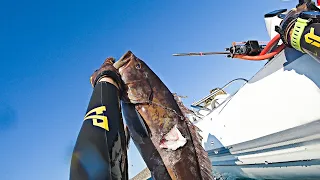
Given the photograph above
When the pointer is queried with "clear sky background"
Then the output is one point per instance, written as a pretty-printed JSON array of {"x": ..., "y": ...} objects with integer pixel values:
[{"x": 49, "y": 49}]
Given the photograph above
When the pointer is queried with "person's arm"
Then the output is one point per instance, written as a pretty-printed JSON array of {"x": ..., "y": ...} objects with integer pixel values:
[
  {"x": 100, "y": 150},
  {"x": 300, "y": 29}
]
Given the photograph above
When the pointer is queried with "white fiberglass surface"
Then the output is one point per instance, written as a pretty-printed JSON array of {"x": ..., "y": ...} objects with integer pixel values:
[{"x": 283, "y": 94}]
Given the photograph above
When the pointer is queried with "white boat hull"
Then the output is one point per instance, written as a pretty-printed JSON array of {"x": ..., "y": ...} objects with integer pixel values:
[{"x": 270, "y": 129}]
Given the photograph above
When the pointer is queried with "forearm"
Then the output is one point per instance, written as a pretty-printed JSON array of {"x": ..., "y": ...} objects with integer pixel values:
[
  {"x": 100, "y": 137},
  {"x": 310, "y": 40}
]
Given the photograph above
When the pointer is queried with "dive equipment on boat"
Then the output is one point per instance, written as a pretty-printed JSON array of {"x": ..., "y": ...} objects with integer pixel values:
[
  {"x": 264, "y": 55},
  {"x": 250, "y": 50}
]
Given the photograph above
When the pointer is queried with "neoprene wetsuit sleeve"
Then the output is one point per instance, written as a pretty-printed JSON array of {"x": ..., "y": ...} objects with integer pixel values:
[{"x": 100, "y": 150}]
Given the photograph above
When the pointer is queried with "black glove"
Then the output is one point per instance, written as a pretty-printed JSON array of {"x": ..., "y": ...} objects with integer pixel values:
[{"x": 107, "y": 70}]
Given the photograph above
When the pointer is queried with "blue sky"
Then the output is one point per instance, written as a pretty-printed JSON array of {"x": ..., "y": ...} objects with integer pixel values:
[{"x": 50, "y": 48}]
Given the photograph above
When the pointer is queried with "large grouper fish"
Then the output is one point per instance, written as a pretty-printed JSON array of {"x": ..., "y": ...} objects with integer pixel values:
[{"x": 166, "y": 139}]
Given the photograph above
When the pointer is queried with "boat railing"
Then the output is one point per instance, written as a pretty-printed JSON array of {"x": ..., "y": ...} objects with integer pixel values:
[{"x": 198, "y": 103}]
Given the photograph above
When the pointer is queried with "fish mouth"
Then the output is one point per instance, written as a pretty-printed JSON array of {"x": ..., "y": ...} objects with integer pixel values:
[{"x": 123, "y": 60}]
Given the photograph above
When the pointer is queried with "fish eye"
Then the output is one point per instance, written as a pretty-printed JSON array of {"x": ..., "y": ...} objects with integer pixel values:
[{"x": 138, "y": 66}]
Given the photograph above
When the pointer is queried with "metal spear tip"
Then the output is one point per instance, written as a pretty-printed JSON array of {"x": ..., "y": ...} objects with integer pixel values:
[{"x": 177, "y": 55}]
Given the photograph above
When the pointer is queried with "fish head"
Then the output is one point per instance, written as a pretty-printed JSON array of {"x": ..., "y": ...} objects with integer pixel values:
[{"x": 133, "y": 71}]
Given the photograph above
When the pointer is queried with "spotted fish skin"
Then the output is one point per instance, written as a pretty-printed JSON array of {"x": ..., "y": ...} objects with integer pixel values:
[{"x": 149, "y": 103}]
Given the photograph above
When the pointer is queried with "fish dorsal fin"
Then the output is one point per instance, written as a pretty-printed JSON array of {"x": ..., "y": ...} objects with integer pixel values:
[{"x": 202, "y": 155}]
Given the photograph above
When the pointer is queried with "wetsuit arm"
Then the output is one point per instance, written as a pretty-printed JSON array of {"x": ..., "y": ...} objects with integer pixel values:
[
  {"x": 98, "y": 153},
  {"x": 310, "y": 40}
]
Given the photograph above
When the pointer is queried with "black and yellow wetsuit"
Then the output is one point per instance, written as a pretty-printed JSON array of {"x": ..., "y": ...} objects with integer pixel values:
[
  {"x": 300, "y": 29},
  {"x": 100, "y": 150}
]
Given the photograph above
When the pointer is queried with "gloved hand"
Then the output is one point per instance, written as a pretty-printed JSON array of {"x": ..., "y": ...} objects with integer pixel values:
[{"x": 107, "y": 70}]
